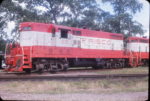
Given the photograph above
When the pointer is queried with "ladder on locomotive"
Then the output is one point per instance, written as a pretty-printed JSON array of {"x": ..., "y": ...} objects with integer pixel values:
[{"x": 27, "y": 56}]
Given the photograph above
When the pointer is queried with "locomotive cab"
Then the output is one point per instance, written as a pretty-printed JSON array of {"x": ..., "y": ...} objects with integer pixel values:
[{"x": 33, "y": 46}]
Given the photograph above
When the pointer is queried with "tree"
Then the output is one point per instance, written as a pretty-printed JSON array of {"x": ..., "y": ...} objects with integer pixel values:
[
  {"x": 14, "y": 12},
  {"x": 122, "y": 20},
  {"x": 76, "y": 13},
  {"x": 82, "y": 13},
  {"x": 2, "y": 22},
  {"x": 2, "y": 44}
]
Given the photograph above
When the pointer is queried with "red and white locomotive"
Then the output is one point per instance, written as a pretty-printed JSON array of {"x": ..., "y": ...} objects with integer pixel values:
[{"x": 55, "y": 47}]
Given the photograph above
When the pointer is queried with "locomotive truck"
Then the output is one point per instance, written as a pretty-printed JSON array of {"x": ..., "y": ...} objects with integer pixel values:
[{"x": 55, "y": 48}]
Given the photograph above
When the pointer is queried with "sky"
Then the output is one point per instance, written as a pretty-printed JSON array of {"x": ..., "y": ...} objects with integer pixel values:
[
  {"x": 141, "y": 17},
  {"x": 144, "y": 16}
]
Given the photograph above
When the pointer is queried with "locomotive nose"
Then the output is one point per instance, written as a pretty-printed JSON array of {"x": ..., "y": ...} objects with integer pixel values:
[{"x": 13, "y": 56}]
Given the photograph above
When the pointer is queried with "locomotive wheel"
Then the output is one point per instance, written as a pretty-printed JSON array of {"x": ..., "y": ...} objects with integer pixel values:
[
  {"x": 65, "y": 68},
  {"x": 40, "y": 68},
  {"x": 108, "y": 65},
  {"x": 54, "y": 68}
]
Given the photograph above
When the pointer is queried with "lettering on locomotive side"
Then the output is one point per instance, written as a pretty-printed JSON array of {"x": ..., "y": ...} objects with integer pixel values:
[
  {"x": 96, "y": 41},
  {"x": 108, "y": 42},
  {"x": 101, "y": 43}
]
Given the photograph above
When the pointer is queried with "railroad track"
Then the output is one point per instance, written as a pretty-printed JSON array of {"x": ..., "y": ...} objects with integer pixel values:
[
  {"x": 70, "y": 70},
  {"x": 69, "y": 77}
]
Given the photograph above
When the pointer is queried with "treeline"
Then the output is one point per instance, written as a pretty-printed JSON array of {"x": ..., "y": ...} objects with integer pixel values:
[{"x": 75, "y": 13}]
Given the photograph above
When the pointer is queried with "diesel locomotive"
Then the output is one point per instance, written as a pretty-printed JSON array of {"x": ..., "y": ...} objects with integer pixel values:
[{"x": 55, "y": 48}]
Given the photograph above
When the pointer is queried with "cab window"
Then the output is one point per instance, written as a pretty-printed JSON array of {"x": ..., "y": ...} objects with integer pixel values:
[{"x": 64, "y": 33}]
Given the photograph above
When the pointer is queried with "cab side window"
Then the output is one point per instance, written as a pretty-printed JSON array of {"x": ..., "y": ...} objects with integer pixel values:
[{"x": 64, "y": 33}]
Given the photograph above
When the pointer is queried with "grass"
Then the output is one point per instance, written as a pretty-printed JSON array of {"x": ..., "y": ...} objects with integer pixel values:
[
  {"x": 136, "y": 70},
  {"x": 92, "y": 86}
]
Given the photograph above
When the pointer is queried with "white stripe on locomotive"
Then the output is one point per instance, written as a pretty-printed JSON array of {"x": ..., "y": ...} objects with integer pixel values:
[{"x": 33, "y": 38}]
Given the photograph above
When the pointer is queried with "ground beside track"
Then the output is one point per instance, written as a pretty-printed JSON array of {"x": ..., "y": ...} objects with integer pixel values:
[
  {"x": 79, "y": 90},
  {"x": 122, "y": 96},
  {"x": 106, "y": 89}
]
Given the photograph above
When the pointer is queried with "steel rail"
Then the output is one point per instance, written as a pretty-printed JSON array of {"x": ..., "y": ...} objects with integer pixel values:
[{"x": 70, "y": 77}]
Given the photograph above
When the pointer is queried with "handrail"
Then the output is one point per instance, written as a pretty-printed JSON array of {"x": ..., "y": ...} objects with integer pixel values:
[
  {"x": 23, "y": 54},
  {"x": 30, "y": 53}
]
